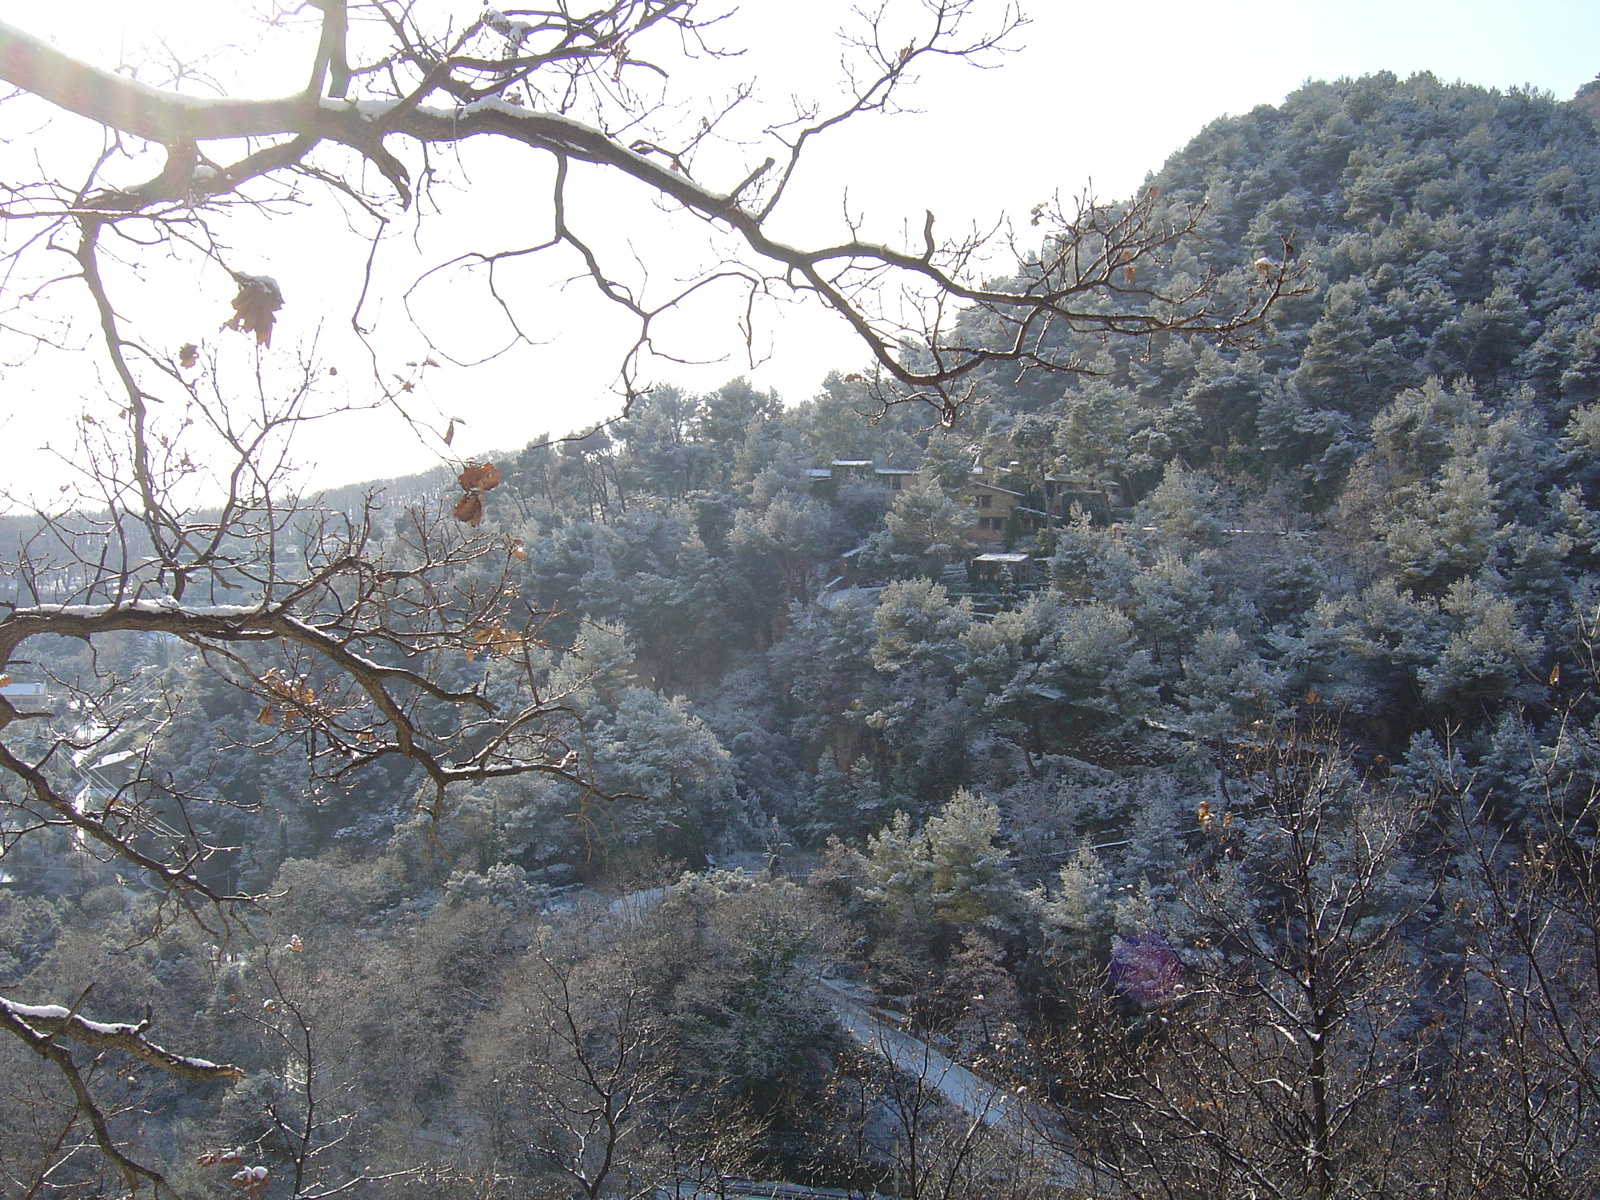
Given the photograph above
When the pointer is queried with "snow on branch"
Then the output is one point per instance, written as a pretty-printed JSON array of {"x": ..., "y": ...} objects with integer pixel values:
[{"x": 52, "y": 1020}]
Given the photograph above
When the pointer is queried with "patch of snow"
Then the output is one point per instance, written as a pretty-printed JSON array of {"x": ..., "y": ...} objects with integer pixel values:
[{"x": 159, "y": 604}]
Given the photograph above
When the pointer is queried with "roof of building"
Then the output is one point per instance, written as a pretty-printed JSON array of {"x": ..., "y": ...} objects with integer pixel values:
[{"x": 993, "y": 487}]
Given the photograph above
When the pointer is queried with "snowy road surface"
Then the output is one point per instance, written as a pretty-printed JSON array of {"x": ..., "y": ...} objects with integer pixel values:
[
  {"x": 966, "y": 1090},
  {"x": 962, "y": 1088}
]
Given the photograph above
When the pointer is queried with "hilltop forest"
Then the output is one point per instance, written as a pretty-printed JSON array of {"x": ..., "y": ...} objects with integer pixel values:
[{"x": 1231, "y": 805}]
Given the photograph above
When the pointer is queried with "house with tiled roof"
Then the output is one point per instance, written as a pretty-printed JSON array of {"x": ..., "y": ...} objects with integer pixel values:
[{"x": 993, "y": 510}]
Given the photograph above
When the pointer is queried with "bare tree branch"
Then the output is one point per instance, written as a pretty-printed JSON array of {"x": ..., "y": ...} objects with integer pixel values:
[{"x": 1100, "y": 272}]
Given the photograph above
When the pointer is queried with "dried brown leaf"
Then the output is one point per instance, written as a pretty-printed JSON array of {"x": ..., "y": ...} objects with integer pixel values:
[
  {"x": 479, "y": 477},
  {"x": 254, "y": 307}
]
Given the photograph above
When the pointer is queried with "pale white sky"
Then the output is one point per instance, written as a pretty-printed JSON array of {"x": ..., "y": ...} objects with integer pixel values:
[{"x": 1092, "y": 92}]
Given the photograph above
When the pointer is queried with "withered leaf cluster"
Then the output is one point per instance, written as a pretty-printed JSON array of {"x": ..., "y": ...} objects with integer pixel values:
[
  {"x": 475, "y": 479},
  {"x": 493, "y": 641},
  {"x": 255, "y": 306}
]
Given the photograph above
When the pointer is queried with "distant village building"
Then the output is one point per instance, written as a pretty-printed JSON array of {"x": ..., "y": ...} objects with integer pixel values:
[
  {"x": 994, "y": 511},
  {"x": 825, "y": 481},
  {"x": 1003, "y": 523},
  {"x": 999, "y": 514},
  {"x": 1095, "y": 497},
  {"x": 1002, "y": 569}
]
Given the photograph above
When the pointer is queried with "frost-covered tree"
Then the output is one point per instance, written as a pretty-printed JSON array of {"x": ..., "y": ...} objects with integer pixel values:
[{"x": 673, "y": 779}]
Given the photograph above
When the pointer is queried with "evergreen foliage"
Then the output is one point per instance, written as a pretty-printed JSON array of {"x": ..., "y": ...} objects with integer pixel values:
[{"x": 1262, "y": 819}]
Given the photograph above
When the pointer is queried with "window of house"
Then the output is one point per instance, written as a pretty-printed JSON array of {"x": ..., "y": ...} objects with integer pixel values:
[{"x": 985, "y": 501}]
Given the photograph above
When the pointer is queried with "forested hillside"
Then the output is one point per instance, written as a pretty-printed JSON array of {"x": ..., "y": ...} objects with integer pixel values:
[{"x": 1204, "y": 741}]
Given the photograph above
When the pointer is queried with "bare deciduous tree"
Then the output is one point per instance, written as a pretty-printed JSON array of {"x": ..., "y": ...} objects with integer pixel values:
[
  {"x": 393, "y": 88},
  {"x": 1275, "y": 1060}
]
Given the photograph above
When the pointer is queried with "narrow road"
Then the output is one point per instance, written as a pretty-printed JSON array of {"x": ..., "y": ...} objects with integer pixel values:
[
  {"x": 964, "y": 1089},
  {"x": 1042, "y": 1131}
]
